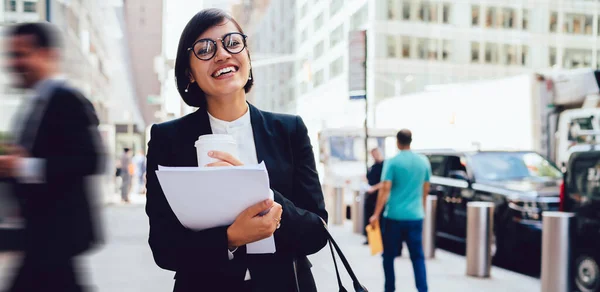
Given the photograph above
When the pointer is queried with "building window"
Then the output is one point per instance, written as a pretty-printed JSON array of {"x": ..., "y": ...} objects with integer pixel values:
[
  {"x": 475, "y": 15},
  {"x": 552, "y": 54},
  {"x": 428, "y": 12},
  {"x": 360, "y": 17},
  {"x": 446, "y": 50},
  {"x": 553, "y": 21},
  {"x": 406, "y": 10},
  {"x": 335, "y": 6},
  {"x": 336, "y": 36},
  {"x": 490, "y": 17},
  {"x": 319, "y": 48},
  {"x": 304, "y": 10},
  {"x": 30, "y": 6},
  {"x": 446, "y": 13},
  {"x": 303, "y": 87},
  {"x": 577, "y": 58},
  {"x": 491, "y": 53},
  {"x": 11, "y": 5},
  {"x": 510, "y": 55},
  {"x": 525, "y": 19},
  {"x": 507, "y": 18},
  {"x": 391, "y": 46},
  {"x": 578, "y": 24},
  {"x": 525, "y": 56},
  {"x": 405, "y": 47},
  {"x": 319, "y": 78},
  {"x": 319, "y": 21},
  {"x": 337, "y": 67},
  {"x": 427, "y": 49},
  {"x": 303, "y": 36},
  {"x": 391, "y": 8},
  {"x": 474, "y": 52}
]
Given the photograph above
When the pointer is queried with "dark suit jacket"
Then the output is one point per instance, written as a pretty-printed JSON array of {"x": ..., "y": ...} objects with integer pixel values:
[
  {"x": 58, "y": 214},
  {"x": 200, "y": 258}
]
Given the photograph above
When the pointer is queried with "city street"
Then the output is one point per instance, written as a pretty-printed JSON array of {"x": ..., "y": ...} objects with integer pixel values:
[{"x": 125, "y": 262}]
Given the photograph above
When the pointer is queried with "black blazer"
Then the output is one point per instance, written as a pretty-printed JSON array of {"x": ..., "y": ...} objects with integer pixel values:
[
  {"x": 200, "y": 258},
  {"x": 58, "y": 213}
]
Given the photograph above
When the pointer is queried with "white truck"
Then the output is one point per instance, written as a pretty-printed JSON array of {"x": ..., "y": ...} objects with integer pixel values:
[{"x": 540, "y": 112}]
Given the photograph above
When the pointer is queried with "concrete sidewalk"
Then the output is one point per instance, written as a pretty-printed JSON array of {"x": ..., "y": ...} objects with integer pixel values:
[
  {"x": 444, "y": 273},
  {"x": 125, "y": 263}
]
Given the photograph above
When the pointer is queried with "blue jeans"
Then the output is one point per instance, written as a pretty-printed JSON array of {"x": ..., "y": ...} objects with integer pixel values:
[{"x": 394, "y": 234}]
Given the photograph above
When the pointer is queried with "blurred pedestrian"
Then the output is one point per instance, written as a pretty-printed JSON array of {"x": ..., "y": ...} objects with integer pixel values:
[
  {"x": 139, "y": 162},
  {"x": 405, "y": 185},
  {"x": 374, "y": 179},
  {"x": 126, "y": 174},
  {"x": 57, "y": 147}
]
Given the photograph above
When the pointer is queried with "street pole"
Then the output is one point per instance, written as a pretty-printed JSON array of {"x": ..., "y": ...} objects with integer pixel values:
[{"x": 366, "y": 108}]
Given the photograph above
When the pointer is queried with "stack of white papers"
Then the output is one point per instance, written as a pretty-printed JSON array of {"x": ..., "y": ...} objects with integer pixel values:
[{"x": 207, "y": 197}]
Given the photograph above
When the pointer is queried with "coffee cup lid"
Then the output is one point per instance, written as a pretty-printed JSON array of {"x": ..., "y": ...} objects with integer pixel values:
[{"x": 215, "y": 138}]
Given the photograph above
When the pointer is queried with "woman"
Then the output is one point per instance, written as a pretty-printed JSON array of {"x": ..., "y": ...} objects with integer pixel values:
[{"x": 213, "y": 72}]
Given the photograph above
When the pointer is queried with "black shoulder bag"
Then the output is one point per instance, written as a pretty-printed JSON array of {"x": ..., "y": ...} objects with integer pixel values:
[{"x": 332, "y": 244}]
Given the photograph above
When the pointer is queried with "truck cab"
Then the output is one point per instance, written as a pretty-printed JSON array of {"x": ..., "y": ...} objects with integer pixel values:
[{"x": 580, "y": 194}]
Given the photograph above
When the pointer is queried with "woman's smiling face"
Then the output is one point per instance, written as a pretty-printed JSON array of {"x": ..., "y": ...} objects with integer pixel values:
[{"x": 225, "y": 73}]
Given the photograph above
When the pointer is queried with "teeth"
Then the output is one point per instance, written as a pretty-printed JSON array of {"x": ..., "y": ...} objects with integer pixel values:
[{"x": 224, "y": 70}]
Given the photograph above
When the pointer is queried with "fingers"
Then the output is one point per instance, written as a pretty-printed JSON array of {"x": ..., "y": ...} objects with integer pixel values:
[
  {"x": 224, "y": 156},
  {"x": 218, "y": 163},
  {"x": 255, "y": 209}
]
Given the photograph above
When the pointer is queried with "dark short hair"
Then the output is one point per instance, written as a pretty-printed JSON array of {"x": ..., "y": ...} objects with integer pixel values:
[
  {"x": 200, "y": 23},
  {"x": 46, "y": 35},
  {"x": 404, "y": 137},
  {"x": 126, "y": 150}
]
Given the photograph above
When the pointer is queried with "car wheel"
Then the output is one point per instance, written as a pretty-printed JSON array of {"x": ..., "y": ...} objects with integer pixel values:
[{"x": 587, "y": 273}]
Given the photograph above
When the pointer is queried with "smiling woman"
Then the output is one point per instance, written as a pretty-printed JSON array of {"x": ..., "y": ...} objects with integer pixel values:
[{"x": 213, "y": 72}]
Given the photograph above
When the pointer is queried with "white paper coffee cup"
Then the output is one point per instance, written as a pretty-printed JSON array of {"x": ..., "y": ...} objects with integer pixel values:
[{"x": 214, "y": 142}]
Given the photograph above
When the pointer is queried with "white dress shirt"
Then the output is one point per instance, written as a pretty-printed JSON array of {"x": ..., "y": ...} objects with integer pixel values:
[{"x": 241, "y": 131}]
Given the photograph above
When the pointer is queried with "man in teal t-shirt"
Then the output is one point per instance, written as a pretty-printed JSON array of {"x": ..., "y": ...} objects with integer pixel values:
[{"x": 405, "y": 181}]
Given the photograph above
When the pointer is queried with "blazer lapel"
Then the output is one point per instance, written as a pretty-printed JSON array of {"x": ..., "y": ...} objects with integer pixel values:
[
  {"x": 197, "y": 125},
  {"x": 264, "y": 150}
]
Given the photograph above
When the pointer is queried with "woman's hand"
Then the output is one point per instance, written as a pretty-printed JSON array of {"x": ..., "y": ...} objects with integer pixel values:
[
  {"x": 249, "y": 226},
  {"x": 225, "y": 159}
]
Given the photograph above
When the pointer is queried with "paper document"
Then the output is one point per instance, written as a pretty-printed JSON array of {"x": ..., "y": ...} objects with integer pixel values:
[{"x": 207, "y": 197}]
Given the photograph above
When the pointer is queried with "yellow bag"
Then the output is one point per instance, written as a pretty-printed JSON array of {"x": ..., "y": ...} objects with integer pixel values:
[{"x": 374, "y": 238}]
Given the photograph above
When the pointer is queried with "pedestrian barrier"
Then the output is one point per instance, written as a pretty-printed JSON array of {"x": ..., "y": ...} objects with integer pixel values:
[
  {"x": 556, "y": 247},
  {"x": 339, "y": 210},
  {"x": 429, "y": 227},
  {"x": 358, "y": 212},
  {"x": 480, "y": 226}
]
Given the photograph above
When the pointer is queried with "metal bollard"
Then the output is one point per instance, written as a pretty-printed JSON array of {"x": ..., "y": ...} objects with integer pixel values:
[
  {"x": 556, "y": 248},
  {"x": 429, "y": 227},
  {"x": 358, "y": 212},
  {"x": 339, "y": 210},
  {"x": 480, "y": 226}
]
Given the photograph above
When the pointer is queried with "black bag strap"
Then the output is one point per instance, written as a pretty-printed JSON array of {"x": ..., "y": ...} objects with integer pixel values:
[
  {"x": 337, "y": 272},
  {"x": 357, "y": 286}
]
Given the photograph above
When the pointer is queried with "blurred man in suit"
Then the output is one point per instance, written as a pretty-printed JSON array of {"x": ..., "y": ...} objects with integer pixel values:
[{"x": 56, "y": 148}]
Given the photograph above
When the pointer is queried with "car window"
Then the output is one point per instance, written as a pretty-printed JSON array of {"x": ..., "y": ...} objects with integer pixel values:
[
  {"x": 499, "y": 166},
  {"x": 583, "y": 180},
  {"x": 437, "y": 164}
]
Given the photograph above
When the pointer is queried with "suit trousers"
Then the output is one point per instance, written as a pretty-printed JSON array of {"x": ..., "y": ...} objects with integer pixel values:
[{"x": 43, "y": 273}]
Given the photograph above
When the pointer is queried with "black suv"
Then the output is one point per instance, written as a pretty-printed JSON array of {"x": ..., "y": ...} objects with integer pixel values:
[
  {"x": 581, "y": 195},
  {"x": 521, "y": 184}
]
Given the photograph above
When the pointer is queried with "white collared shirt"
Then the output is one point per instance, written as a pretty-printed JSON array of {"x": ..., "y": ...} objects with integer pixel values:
[{"x": 241, "y": 131}]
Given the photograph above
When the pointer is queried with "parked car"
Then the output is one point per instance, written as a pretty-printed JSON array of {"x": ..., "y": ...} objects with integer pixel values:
[
  {"x": 521, "y": 184},
  {"x": 580, "y": 194}
]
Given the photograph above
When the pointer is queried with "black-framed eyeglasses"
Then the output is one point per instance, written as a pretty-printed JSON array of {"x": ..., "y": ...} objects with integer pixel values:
[{"x": 206, "y": 49}]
